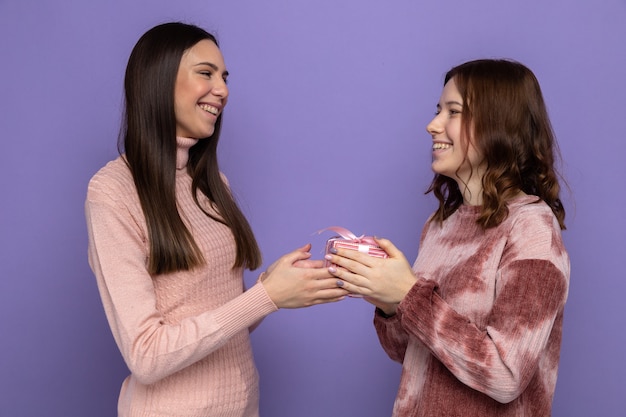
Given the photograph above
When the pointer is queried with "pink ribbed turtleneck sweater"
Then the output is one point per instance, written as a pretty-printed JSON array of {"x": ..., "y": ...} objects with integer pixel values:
[{"x": 184, "y": 335}]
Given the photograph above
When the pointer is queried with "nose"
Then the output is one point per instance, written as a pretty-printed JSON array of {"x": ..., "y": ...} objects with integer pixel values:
[
  {"x": 434, "y": 127},
  {"x": 220, "y": 89}
]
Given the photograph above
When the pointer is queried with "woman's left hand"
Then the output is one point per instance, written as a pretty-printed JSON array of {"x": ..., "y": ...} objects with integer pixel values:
[{"x": 383, "y": 282}]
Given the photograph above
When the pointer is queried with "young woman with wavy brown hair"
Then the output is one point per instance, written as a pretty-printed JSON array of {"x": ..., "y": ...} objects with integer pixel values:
[
  {"x": 477, "y": 321},
  {"x": 168, "y": 243},
  {"x": 516, "y": 143}
]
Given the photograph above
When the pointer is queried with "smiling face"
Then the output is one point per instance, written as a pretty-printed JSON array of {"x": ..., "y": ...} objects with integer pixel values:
[
  {"x": 200, "y": 93},
  {"x": 453, "y": 155}
]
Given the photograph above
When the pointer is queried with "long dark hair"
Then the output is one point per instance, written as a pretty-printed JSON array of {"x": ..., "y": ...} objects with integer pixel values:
[
  {"x": 149, "y": 142},
  {"x": 505, "y": 115}
]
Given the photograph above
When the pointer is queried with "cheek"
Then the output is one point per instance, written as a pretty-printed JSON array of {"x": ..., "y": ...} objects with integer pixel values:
[
  {"x": 179, "y": 109},
  {"x": 453, "y": 131},
  {"x": 474, "y": 155},
  {"x": 185, "y": 92}
]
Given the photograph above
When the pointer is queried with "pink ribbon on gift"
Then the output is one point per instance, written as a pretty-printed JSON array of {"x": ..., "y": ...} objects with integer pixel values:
[{"x": 348, "y": 235}]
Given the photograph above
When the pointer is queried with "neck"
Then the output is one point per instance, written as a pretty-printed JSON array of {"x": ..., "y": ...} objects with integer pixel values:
[
  {"x": 472, "y": 186},
  {"x": 472, "y": 197},
  {"x": 472, "y": 190},
  {"x": 182, "y": 151}
]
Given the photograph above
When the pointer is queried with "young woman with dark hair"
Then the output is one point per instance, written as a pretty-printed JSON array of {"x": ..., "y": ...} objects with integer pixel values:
[
  {"x": 168, "y": 243},
  {"x": 477, "y": 321}
]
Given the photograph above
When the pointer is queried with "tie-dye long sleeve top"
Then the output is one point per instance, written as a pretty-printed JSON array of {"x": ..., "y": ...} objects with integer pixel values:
[{"x": 479, "y": 334}]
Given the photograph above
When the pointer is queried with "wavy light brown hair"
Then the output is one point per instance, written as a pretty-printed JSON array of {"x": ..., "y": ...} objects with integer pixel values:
[
  {"x": 506, "y": 118},
  {"x": 149, "y": 142}
]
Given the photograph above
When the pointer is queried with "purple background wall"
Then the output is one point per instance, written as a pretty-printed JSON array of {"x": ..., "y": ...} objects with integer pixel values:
[{"x": 329, "y": 100}]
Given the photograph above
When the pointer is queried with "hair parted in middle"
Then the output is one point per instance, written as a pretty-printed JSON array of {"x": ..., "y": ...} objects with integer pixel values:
[
  {"x": 505, "y": 117},
  {"x": 149, "y": 142}
]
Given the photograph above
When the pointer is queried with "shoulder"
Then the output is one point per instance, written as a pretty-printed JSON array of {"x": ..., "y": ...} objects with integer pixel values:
[
  {"x": 112, "y": 182},
  {"x": 534, "y": 229},
  {"x": 112, "y": 200},
  {"x": 531, "y": 213}
]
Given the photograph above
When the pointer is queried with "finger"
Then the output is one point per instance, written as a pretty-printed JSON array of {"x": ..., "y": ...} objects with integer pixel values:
[
  {"x": 350, "y": 260},
  {"x": 305, "y": 248},
  {"x": 350, "y": 282},
  {"x": 318, "y": 274},
  {"x": 335, "y": 293},
  {"x": 331, "y": 284},
  {"x": 357, "y": 256},
  {"x": 351, "y": 289},
  {"x": 309, "y": 263},
  {"x": 297, "y": 255},
  {"x": 389, "y": 247},
  {"x": 325, "y": 300}
]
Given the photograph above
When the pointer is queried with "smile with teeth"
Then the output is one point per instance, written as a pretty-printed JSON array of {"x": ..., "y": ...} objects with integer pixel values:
[
  {"x": 210, "y": 109},
  {"x": 438, "y": 146}
]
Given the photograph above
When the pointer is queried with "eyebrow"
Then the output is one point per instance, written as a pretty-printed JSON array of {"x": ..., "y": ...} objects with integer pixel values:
[
  {"x": 449, "y": 103},
  {"x": 212, "y": 65}
]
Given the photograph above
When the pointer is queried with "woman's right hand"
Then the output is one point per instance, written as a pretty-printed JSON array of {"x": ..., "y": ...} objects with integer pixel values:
[
  {"x": 295, "y": 281},
  {"x": 383, "y": 282}
]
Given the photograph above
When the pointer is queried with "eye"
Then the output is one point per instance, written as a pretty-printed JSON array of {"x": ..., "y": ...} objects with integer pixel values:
[{"x": 207, "y": 74}]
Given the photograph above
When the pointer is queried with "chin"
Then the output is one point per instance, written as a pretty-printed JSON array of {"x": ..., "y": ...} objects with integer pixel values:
[
  {"x": 205, "y": 134},
  {"x": 437, "y": 169}
]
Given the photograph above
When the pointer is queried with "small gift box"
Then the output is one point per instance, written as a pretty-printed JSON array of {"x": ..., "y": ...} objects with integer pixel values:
[{"x": 348, "y": 240}]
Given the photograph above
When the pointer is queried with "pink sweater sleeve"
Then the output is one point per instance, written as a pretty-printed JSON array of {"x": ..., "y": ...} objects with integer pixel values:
[{"x": 151, "y": 347}]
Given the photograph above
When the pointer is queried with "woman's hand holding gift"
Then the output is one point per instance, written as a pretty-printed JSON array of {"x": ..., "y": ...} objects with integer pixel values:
[
  {"x": 383, "y": 282},
  {"x": 295, "y": 281}
]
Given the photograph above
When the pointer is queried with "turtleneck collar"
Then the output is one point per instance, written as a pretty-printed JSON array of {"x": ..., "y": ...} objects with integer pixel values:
[{"x": 182, "y": 151}]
